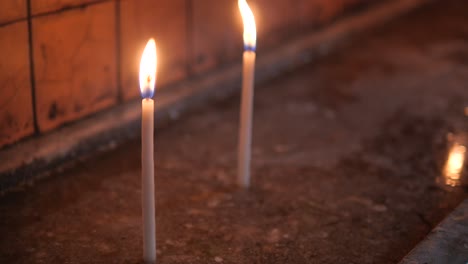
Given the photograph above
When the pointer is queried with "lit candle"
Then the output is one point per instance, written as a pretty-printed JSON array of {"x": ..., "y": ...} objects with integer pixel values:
[
  {"x": 147, "y": 86},
  {"x": 248, "y": 72}
]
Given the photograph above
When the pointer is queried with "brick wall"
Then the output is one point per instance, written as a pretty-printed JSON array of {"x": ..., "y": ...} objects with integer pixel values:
[{"x": 62, "y": 60}]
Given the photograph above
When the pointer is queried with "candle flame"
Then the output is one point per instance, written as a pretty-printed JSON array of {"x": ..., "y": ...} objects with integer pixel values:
[
  {"x": 454, "y": 165},
  {"x": 250, "y": 29},
  {"x": 148, "y": 70}
]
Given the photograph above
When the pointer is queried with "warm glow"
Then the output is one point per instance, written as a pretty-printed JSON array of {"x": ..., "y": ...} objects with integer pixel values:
[
  {"x": 454, "y": 165},
  {"x": 250, "y": 29},
  {"x": 148, "y": 70}
]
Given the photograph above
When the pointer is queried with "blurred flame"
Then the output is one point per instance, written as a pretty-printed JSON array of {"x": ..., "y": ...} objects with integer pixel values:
[
  {"x": 250, "y": 29},
  {"x": 454, "y": 165},
  {"x": 148, "y": 70}
]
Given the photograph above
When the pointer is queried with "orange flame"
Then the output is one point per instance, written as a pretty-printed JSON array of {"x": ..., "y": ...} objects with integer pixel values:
[
  {"x": 148, "y": 70},
  {"x": 250, "y": 28}
]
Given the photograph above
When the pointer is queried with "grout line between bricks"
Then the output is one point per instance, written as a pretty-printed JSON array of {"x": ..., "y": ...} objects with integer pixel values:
[
  {"x": 32, "y": 75},
  {"x": 189, "y": 35},
  {"x": 4, "y": 24},
  {"x": 53, "y": 12},
  {"x": 70, "y": 7},
  {"x": 118, "y": 46}
]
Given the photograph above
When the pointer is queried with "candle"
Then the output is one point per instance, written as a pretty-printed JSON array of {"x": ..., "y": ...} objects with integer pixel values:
[
  {"x": 248, "y": 72},
  {"x": 147, "y": 86}
]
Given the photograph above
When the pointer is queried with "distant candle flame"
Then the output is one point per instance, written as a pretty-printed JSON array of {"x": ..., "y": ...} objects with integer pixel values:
[
  {"x": 454, "y": 165},
  {"x": 148, "y": 70},
  {"x": 250, "y": 29}
]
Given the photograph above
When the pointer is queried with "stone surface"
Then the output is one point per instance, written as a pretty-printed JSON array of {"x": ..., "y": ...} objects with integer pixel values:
[
  {"x": 44, "y": 6},
  {"x": 345, "y": 157},
  {"x": 16, "y": 118},
  {"x": 165, "y": 21},
  {"x": 75, "y": 64},
  {"x": 12, "y": 10}
]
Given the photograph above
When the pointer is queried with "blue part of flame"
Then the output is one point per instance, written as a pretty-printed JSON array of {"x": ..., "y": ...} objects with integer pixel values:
[
  {"x": 249, "y": 48},
  {"x": 147, "y": 93}
]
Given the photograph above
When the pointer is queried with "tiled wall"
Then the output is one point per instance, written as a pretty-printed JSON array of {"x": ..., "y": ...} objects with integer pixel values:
[{"x": 62, "y": 60}]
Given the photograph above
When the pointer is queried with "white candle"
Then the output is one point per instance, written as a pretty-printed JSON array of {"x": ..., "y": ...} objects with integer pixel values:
[
  {"x": 147, "y": 86},
  {"x": 248, "y": 76}
]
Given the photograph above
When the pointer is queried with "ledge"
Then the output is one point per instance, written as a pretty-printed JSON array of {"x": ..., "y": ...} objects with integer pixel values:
[{"x": 447, "y": 243}]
